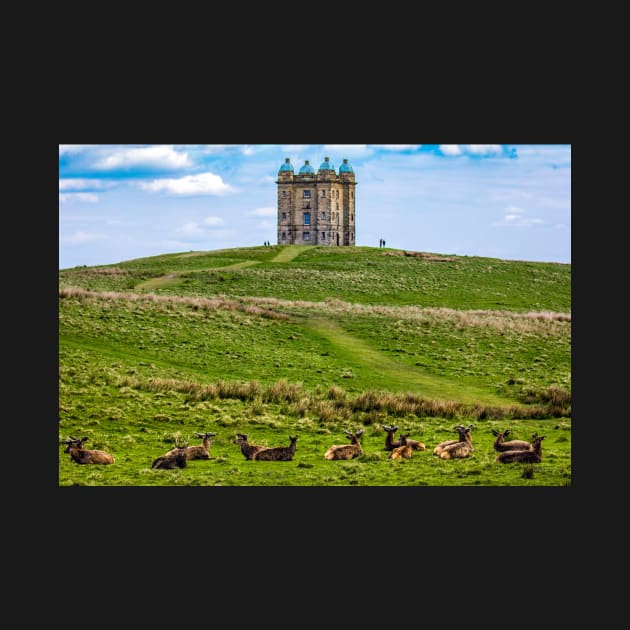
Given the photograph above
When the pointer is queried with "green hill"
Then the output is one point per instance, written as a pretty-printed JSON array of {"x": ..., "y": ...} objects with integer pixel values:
[{"x": 315, "y": 340}]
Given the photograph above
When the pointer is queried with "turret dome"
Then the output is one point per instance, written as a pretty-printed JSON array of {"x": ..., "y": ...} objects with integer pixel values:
[
  {"x": 307, "y": 168},
  {"x": 326, "y": 165},
  {"x": 287, "y": 166},
  {"x": 345, "y": 167}
]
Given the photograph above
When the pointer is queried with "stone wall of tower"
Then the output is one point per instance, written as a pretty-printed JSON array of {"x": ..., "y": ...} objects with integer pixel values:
[{"x": 316, "y": 208}]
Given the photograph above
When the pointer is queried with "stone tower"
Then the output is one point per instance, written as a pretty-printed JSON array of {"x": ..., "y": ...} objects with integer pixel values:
[{"x": 316, "y": 208}]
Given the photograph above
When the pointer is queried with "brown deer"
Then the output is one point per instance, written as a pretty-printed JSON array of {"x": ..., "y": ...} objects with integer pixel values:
[
  {"x": 391, "y": 444},
  {"x": 80, "y": 455},
  {"x": 248, "y": 450},
  {"x": 459, "y": 450},
  {"x": 533, "y": 455},
  {"x": 500, "y": 445},
  {"x": 200, "y": 451},
  {"x": 346, "y": 451},
  {"x": 404, "y": 451},
  {"x": 461, "y": 431},
  {"x": 277, "y": 453},
  {"x": 175, "y": 458}
]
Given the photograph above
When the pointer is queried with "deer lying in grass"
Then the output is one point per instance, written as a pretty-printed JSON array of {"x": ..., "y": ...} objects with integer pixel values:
[
  {"x": 404, "y": 451},
  {"x": 175, "y": 458},
  {"x": 80, "y": 455},
  {"x": 533, "y": 455},
  {"x": 201, "y": 451},
  {"x": 500, "y": 445},
  {"x": 248, "y": 450},
  {"x": 346, "y": 451},
  {"x": 391, "y": 443},
  {"x": 277, "y": 453},
  {"x": 462, "y": 448},
  {"x": 461, "y": 431}
]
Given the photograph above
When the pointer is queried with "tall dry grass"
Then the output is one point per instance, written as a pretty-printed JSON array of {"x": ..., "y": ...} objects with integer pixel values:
[{"x": 553, "y": 402}]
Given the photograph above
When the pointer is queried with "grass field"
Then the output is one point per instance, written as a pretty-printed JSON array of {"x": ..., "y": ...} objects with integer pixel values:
[{"x": 313, "y": 341}]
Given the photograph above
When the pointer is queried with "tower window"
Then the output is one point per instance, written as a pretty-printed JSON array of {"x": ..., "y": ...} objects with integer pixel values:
[
  {"x": 323, "y": 236},
  {"x": 307, "y": 236},
  {"x": 284, "y": 216},
  {"x": 307, "y": 218},
  {"x": 323, "y": 216},
  {"x": 284, "y": 194},
  {"x": 284, "y": 236},
  {"x": 307, "y": 194},
  {"x": 323, "y": 193}
]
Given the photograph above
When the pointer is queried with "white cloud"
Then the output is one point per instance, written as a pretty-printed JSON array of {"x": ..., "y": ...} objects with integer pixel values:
[
  {"x": 213, "y": 221},
  {"x": 266, "y": 225},
  {"x": 262, "y": 212},
  {"x": 483, "y": 149},
  {"x": 84, "y": 184},
  {"x": 65, "y": 149},
  {"x": 193, "y": 229},
  {"x": 398, "y": 147},
  {"x": 515, "y": 217},
  {"x": 190, "y": 229},
  {"x": 344, "y": 151},
  {"x": 161, "y": 156},
  {"x": 450, "y": 149},
  {"x": 86, "y": 197},
  {"x": 201, "y": 184},
  {"x": 81, "y": 237}
]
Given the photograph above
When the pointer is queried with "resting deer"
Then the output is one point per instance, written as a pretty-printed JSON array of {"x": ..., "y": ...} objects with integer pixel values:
[
  {"x": 461, "y": 431},
  {"x": 404, "y": 451},
  {"x": 533, "y": 455},
  {"x": 277, "y": 453},
  {"x": 201, "y": 451},
  {"x": 175, "y": 458},
  {"x": 391, "y": 444},
  {"x": 248, "y": 450},
  {"x": 500, "y": 445},
  {"x": 80, "y": 455},
  {"x": 459, "y": 450},
  {"x": 346, "y": 451}
]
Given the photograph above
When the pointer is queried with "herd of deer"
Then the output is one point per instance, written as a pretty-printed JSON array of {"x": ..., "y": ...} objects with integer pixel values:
[{"x": 513, "y": 451}]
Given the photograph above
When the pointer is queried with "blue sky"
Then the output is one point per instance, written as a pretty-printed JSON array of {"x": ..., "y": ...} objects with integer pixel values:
[{"x": 120, "y": 202}]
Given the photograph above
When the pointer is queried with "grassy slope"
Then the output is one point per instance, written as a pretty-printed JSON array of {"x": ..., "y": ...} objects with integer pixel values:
[{"x": 316, "y": 345}]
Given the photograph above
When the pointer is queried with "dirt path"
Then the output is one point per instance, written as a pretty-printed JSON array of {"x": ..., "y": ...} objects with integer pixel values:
[{"x": 404, "y": 377}]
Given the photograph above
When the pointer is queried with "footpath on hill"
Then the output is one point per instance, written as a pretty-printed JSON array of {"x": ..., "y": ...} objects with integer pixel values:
[
  {"x": 289, "y": 252},
  {"x": 286, "y": 254},
  {"x": 401, "y": 376}
]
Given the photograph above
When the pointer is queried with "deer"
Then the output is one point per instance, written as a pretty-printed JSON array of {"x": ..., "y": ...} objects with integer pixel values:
[
  {"x": 248, "y": 450},
  {"x": 346, "y": 451},
  {"x": 461, "y": 430},
  {"x": 533, "y": 455},
  {"x": 391, "y": 444},
  {"x": 80, "y": 455},
  {"x": 500, "y": 445},
  {"x": 461, "y": 448},
  {"x": 175, "y": 458},
  {"x": 200, "y": 451},
  {"x": 404, "y": 451},
  {"x": 277, "y": 453}
]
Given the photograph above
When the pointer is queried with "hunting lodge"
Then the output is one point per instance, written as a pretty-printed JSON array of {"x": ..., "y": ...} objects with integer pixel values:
[{"x": 316, "y": 208}]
